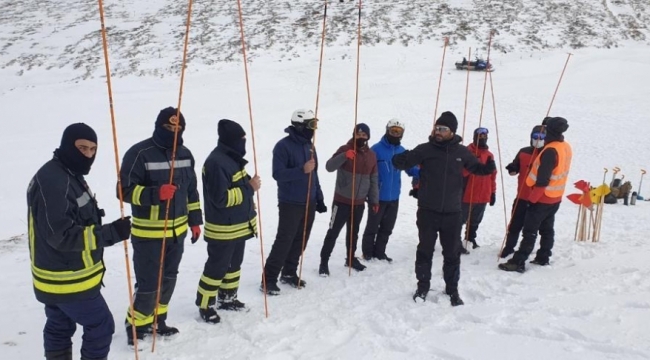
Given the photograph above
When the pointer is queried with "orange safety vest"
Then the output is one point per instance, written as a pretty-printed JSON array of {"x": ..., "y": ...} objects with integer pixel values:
[{"x": 556, "y": 186}]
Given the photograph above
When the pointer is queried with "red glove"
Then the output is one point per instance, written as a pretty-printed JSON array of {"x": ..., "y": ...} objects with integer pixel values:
[
  {"x": 375, "y": 208},
  {"x": 350, "y": 154},
  {"x": 536, "y": 194},
  {"x": 167, "y": 192},
  {"x": 196, "y": 233}
]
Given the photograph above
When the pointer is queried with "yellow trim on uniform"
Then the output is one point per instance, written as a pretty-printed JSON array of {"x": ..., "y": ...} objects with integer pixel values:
[
  {"x": 194, "y": 206},
  {"x": 137, "y": 193},
  {"x": 67, "y": 275},
  {"x": 90, "y": 243},
  {"x": 159, "y": 234},
  {"x": 62, "y": 289},
  {"x": 230, "y": 232},
  {"x": 160, "y": 223},
  {"x": 232, "y": 275},
  {"x": 210, "y": 281},
  {"x": 206, "y": 295},
  {"x": 239, "y": 175},
  {"x": 235, "y": 197},
  {"x": 162, "y": 309},
  {"x": 140, "y": 318},
  {"x": 32, "y": 235}
]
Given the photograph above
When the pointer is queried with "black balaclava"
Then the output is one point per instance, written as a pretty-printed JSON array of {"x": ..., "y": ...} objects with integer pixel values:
[
  {"x": 480, "y": 143},
  {"x": 68, "y": 153},
  {"x": 303, "y": 130},
  {"x": 361, "y": 142},
  {"x": 536, "y": 129},
  {"x": 164, "y": 137},
  {"x": 232, "y": 135}
]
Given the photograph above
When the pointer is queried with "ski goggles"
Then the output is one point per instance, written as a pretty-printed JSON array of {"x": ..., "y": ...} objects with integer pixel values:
[
  {"x": 538, "y": 136},
  {"x": 482, "y": 131},
  {"x": 442, "y": 129},
  {"x": 395, "y": 131},
  {"x": 311, "y": 124}
]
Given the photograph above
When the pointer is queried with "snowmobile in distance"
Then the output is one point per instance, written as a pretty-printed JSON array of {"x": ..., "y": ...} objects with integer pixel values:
[{"x": 477, "y": 65}]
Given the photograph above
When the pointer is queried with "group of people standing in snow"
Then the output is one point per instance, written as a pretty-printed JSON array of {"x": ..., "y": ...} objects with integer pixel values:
[{"x": 453, "y": 184}]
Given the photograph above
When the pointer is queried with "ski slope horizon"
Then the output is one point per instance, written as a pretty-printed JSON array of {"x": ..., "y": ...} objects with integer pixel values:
[{"x": 591, "y": 303}]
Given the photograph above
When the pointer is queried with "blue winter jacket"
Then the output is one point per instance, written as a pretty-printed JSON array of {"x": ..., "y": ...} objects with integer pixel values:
[
  {"x": 289, "y": 156},
  {"x": 390, "y": 181}
]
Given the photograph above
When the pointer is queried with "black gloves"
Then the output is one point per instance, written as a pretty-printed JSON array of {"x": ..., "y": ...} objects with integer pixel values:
[
  {"x": 123, "y": 227},
  {"x": 414, "y": 192},
  {"x": 320, "y": 207},
  {"x": 493, "y": 199},
  {"x": 490, "y": 164}
]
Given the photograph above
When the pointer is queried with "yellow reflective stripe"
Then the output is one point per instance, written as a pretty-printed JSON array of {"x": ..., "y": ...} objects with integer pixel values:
[
  {"x": 232, "y": 275},
  {"x": 68, "y": 288},
  {"x": 32, "y": 235},
  {"x": 206, "y": 296},
  {"x": 235, "y": 197},
  {"x": 194, "y": 206},
  {"x": 160, "y": 223},
  {"x": 239, "y": 175},
  {"x": 209, "y": 281},
  {"x": 227, "y": 236},
  {"x": 560, "y": 176},
  {"x": 555, "y": 188},
  {"x": 140, "y": 318},
  {"x": 137, "y": 192},
  {"x": 158, "y": 234},
  {"x": 230, "y": 286},
  {"x": 162, "y": 309},
  {"x": 228, "y": 228},
  {"x": 155, "y": 212},
  {"x": 90, "y": 243},
  {"x": 67, "y": 275}
]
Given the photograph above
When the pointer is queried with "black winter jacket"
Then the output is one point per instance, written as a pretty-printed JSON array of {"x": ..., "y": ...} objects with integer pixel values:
[
  {"x": 66, "y": 236},
  {"x": 229, "y": 208},
  {"x": 147, "y": 166},
  {"x": 441, "y": 172}
]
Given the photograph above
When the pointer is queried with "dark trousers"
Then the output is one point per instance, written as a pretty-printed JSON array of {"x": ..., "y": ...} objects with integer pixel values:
[
  {"x": 95, "y": 317},
  {"x": 379, "y": 228},
  {"x": 539, "y": 218},
  {"x": 146, "y": 264},
  {"x": 518, "y": 214},
  {"x": 475, "y": 216},
  {"x": 287, "y": 247},
  {"x": 430, "y": 223},
  {"x": 341, "y": 214},
  {"x": 221, "y": 272}
]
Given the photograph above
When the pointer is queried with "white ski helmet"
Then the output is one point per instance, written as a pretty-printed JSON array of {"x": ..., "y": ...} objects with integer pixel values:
[
  {"x": 395, "y": 123},
  {"x": 302, "y": 116}
]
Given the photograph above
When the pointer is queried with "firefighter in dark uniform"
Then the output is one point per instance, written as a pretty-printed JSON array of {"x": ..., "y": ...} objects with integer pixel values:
[
  {"x": 66, "y": 243},
  {"x": 145, "y": 175},
  {"x": 230, "y": 220}
]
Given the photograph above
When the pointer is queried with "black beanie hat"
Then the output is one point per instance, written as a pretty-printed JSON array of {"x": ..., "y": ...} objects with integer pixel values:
[
  {"x": 228, "y": 129},
  {"x": 556, "y": 125},
  {"x": 362, "y": 127},
  {"x": 165, "y": 116},
  {"x": 448, "y": 119},
  {"x": 68, "y": 153}
]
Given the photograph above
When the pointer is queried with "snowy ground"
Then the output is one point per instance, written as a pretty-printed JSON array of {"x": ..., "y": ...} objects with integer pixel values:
[{"x": 591, "y": 303}]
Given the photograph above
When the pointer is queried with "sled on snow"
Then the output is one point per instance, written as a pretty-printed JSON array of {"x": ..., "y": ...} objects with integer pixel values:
[{"x": 477, "y": 65}]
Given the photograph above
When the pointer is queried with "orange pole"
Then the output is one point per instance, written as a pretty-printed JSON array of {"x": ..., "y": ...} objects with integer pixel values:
[
  {"x": 442, "y": 67},
  {"x": 466, "y": 95}
]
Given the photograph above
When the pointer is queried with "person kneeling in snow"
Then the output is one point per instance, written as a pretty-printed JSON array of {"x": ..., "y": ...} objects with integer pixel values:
[{"x": 230, "y": 220}]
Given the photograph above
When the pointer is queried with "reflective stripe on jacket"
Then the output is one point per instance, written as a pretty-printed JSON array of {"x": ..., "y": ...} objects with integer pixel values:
[{"x": 559, "y": 176}]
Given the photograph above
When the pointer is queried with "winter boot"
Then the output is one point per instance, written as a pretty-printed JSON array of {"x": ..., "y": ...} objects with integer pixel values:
[
  {"x": 271, "y": 288},
  {"x": 323, "y": 270},
  {"x": 367, "y": 257},
  {"x": 463, "y": 250},
  {"x": 513, "y": 266},
  {"x": 163, "y": 330},
  {"x": 59, "y": 355},
  {"x": 384, "y": 257},
  {"x": 293, "y": 281},
  {"x": 474, "y": 244},
  {"x": 356, "y": 264},
  {"x": 420, "y": 294},
  {"x": 209, "y": 315},
  {"x": 506, "y": 252},
  {"x": 231, "y": 305},
  {"x": 540, "y": 262},
  {"x": 455, "y": 299},
  {"x": 141, "y": 333}
]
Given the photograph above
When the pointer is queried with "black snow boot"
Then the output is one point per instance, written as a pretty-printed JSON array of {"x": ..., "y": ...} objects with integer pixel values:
[
  {"x": 271, "y": 288},
  {"x": 209, "y": 315},
  {"x": 513, "y": 266},
  {"x": 540, "y": 262},
  {"x": 141, "y": 333},
  {"x": 384, "y": 257},
  {"x": 231, "y": 305},
  {"x": 506, "y": 252},
  {"x": 474, "y": 244},
  {"x": 59, "y": 355},
  {"x": 356, "y": 264},
  {"x": 324, "y": 269},
  {"x": 455, "y": 299},
  {"x": 293, "y": 281},
  {"x": 420, "y": 294},
  {"x": 464, "y": 251},
  {"x": 163, "y": 330}
]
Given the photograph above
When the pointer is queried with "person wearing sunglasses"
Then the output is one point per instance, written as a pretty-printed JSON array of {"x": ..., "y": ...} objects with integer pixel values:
[
  {"x": 521, "y": 165},
  {"x": 442, "y": 160},
  {"x": 145, "y": 179},
  {"x": 356, "y": 182},
  {"x": 547, "y": 180},
  {"x": 479, "y": 190},
  {"x": 380, "y": 225},
  {"x": 66, "y": 245},
  {"x": 294, "y": 162}
]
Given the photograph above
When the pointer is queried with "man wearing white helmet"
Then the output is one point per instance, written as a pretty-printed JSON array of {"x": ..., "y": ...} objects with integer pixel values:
[
  {"x": 294, "y": 159},
  {"x": 380, "y": 225}
]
